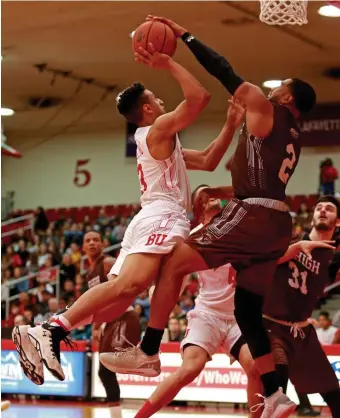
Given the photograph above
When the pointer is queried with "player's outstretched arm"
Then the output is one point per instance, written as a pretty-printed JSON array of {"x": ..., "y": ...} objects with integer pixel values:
[
  {"x": 209, "y": 159},
  {"x": 259, "y": 109},
  {"x": 306, "y": 247},
  {"x": 196, "y": 97}
]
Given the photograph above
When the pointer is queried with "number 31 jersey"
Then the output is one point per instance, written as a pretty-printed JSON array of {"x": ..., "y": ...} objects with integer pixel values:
[
  {"x": 298, "y": 285},
  {"x": 162, "y": 180},
  {"x": 262, "y": 167}
]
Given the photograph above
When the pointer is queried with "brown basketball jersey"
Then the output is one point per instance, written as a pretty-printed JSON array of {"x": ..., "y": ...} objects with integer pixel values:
[
  {"x": 298, "y": 285},
  {"x": 97, "y": 274},
  {"x": 262, "y": 167}
]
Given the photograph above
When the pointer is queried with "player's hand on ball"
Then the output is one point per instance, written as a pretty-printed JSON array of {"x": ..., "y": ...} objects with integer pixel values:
[
  {"x": 308, "y": 246},
  {"x": 152, "y": 58},
  {"x": 236, "y": 112},
  {"x": 178, "y": 30}
]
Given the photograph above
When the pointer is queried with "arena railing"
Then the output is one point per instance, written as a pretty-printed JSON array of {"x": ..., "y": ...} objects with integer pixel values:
[
  {"x": 12, "y": 226},
  {"x": 12, "y": 283}
]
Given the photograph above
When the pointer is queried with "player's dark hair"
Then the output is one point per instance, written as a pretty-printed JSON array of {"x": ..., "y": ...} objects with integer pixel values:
[
  {"x": 325, "y": 314},
  {"x": 95, "y": 232},
  {"x": 303, "y": 94},
  {"x": 130, "y": 101},
  {"x": 195, "y": 191},
  {"x": 330, "y": 199}
]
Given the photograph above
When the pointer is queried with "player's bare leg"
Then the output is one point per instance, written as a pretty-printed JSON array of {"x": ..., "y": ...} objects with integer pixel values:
[
  {"x": 182, "y": 261},
  {"x": 254, "y": 382},
  {"x": 194, "y": 360},
  {"x": 132, "y": 281}
]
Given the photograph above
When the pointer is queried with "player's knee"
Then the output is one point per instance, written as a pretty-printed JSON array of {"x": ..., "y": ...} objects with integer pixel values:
[
  {"x": 126, "y": 287},
  {"x": 188, "y": 372}
]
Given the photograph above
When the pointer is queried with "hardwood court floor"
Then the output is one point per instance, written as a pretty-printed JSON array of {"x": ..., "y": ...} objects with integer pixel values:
[{"x": 57, "y": 409}]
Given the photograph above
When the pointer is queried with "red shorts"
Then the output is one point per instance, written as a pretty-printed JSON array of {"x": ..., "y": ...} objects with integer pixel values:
[
  {"x": 251, "y": 237},
  {"x": 308, "y": 366}
]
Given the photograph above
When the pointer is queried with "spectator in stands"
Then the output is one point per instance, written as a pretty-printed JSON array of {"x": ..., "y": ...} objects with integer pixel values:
[
  {"x": 142, "y": 319},
  {"x": 82, "y": 333},
  {"x": 326, "y": 331},
  {"x": 32, "y": 263},
  {"x": 22, "y": 286},
  {"x": 34, "y": 247},
  {"x": 44, "y": 298},
  {"x": 144, "y": 302},
  {"x": 174, "y": 330},
  {"x": 6, "y": 274},
  {"x": 19, "y": 320},
  {"x": 75, "y": 253},
  {"x": 14, "y": 311},
  {"x": 68, "y": 290},
  {"x": 28, "y": 314},
  {"x": 42, "y": 255},
  {"x": 67, "y": 269},
  {"x": 22, "y": 252},
  {"x": 187, "y": 304},
  {"x": 53, "y": 307},
  {"x": 24, "y": 302},
  {"x": 62, "y": 246},
  {"x": 54, "y": 251},
  {"x": 20, "y": 235},
  {"x": 183, "y": 325},
  {"x": 118, "y": 231},
  {"x": 102, "y": 219},
  {"x": 41, "y": 222},
  {"x": 80, "y": 286},
  {"x": 73, "y": 235},
  {"x": 328, "y": 175},
  {"x": 304, "y": 217},
  {"x": 11, "y": 259}
]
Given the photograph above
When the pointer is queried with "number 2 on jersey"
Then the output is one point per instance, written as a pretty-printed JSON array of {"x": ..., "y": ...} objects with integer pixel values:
[
  {"x": 287, "y": 163},
  {"x": 141, "y": 178}
]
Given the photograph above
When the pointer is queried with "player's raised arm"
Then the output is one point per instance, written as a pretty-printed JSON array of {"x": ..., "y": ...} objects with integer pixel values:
[
  {"x": 306, "y": 247},
  {"x": 209, "y": 159},
  {"x": 196, "y": 97},
  {"x": 259, "y": 109}
]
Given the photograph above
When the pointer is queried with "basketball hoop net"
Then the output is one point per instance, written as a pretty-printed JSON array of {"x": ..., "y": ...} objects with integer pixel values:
[{"x": 284, "y": 12}]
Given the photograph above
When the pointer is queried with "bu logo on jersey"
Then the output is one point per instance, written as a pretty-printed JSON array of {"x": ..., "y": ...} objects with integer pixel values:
[{"x": 156, "y": 239}]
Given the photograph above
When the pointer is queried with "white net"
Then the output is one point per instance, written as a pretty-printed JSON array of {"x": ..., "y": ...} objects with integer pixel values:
[{"x": 284, "y": 12}]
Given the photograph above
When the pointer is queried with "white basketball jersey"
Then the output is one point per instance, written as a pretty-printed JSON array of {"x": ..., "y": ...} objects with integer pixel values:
[
  {"x": 159, "y": 180},
  {"x": 217, "y": 289}
]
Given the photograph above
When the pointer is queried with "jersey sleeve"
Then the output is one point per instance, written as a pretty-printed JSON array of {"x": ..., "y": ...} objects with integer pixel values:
[{"x": 334, "y": 266}]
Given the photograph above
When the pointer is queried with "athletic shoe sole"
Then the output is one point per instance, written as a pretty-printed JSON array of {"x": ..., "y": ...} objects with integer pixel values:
[
  {"x": 37, "y": 346},
  {"x": 27, "y": 366},
  {"x": 285, "y": 410}
]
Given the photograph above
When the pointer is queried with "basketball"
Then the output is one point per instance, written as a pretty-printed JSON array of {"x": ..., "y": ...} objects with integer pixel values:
[{"x": 159, "y": 34}]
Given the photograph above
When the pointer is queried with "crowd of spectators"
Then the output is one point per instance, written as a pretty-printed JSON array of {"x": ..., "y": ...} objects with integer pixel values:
[{"x": 55, "y": 248}]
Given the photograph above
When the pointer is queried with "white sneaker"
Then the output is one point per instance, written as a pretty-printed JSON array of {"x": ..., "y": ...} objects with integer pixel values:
[
  {"x": 46, "y": 339},
  {"x": 278, "y": 405},
  {"x": 29, "y": 358},
  {"x": 132, "y": 360}
]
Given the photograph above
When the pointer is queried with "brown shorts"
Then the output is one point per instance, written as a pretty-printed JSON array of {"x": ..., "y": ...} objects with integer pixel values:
[
  {"x": 251, "y": 237},
  {"x": 308, "y": 366},
  {"x": 114, "y": 334}
]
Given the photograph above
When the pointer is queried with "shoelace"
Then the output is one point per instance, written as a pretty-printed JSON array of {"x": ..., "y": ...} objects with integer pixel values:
[
  {"x": 296, "y": 331},
  {"x": 256, "y": 407},
  {"x": 125, "y": 349}
]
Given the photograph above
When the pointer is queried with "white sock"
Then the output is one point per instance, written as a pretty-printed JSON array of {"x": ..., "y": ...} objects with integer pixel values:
[
  {"x": 61, "y": 321},
  {"x": 116, "y": 412}
]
